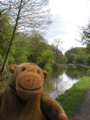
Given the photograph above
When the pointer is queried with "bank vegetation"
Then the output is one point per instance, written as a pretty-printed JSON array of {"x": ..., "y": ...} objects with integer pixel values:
[
  {"x": 71, "y": 99},
  {"x": 26, "y": 47}
]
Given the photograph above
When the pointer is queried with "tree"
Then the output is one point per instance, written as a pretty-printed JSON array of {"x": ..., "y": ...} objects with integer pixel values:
[
  {"x": 56, "y": 47},
  {"x": 32, "y": 13},
  {"x": 84, "y": 32},
  {"x": 58, "y": 56},
  {"x": 19, "y": 51},
  {"x": 12, "y": 38},
  {"x": 37, "y": 44},
  {"x": 46, "y": 59},
  {"x": 86, "y": 35},
  {"x": 5, "y": 33},
  {"x": 85, "y": 39},
  {"x": 25, "y": 14},
  {"x": 70, "y": 54},
  {"x": 77, "y": 55},
  {"x": 37, "y": 51}
]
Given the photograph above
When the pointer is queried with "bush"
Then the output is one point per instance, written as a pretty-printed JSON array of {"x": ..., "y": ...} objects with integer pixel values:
[{"x": 88, "y": 73}]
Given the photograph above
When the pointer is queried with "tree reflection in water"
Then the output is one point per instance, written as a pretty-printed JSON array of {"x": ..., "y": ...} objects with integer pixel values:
[{"x": 58, "y": 83}]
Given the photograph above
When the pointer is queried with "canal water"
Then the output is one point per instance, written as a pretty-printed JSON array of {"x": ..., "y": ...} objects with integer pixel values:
[{"x": 63, "y": 79}]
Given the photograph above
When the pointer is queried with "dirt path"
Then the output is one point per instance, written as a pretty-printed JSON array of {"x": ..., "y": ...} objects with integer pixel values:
[{"x": 83, "y": 111}]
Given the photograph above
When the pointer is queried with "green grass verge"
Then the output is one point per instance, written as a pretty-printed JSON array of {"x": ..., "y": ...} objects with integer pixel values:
[{"x": 72, "y": 97}]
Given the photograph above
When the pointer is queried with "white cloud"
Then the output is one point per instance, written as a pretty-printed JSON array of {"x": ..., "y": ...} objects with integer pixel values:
[{"x": 67, "y": 15}]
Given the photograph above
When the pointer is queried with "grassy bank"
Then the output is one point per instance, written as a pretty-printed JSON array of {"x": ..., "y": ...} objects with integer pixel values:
[{"x": 72, "y": 97}]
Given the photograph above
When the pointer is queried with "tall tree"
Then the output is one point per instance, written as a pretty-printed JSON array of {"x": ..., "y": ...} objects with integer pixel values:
[
  {"x": 5, "y": 33},
  {"x": 37, "y": 44},
  {"x": 86, "y": 35},
  {"x": 56, "y": 48},
  {"x": 25, "y": 14},
  {"x": 33, "y": 13},
  {"x": 84, "y": 32},
  {"x": 58, "y": 56},
  {"x": 12, "y": 38}
]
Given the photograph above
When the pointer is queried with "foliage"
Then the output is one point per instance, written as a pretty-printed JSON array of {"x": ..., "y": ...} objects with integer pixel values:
[
  {"x": 58, "y": 56},
  {"x": 27, "y": 48},
  {"x": 32, "y": 13},
  {"x": 85, "y": 34},
  {"x": 19, "y": 49},
  {"x": 72, "y": 97},
  {"x": 88, "y": 72},
  {"x": 39, "y": 51},
  {"x": 37, "y": 44},
  {"x": 33, "y": 48},
  {"x": 24, "y": 14},
  {"x": 46, "y": 59},
  {"x": 5, "y": 33},
  {"x": 85, "y": 39},
  {"x": 77, "y": 55}
]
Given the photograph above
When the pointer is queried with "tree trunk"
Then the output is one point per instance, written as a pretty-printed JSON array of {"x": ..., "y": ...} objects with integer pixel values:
[{"x": 12, "y": 38}]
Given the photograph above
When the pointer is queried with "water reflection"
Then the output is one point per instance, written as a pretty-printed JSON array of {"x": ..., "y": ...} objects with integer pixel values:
[{"x": 57, "y": 83}]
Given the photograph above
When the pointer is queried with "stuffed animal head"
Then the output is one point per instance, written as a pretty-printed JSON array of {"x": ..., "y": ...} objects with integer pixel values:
[{"x": 28, "y": 80}]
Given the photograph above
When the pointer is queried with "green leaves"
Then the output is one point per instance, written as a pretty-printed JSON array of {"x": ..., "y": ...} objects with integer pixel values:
[
  {"x": 77, "y": 55},
  {"x": 27, "y": 48},
  {"x": 5, "y": 33},
  {"x": 46, "y": 59}
]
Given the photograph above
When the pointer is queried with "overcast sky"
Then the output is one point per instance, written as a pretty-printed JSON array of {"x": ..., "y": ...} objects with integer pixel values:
[{"x": 67, "y": 17}]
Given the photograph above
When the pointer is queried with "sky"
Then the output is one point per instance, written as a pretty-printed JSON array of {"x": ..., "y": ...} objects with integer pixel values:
[{"x": 67, "y": 17}]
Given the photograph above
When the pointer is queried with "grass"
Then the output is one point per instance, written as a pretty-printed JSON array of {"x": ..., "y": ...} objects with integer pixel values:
[{"x": 72, "y": 97}]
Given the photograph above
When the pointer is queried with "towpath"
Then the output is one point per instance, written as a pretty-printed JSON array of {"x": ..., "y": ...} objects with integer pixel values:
[{"x": 83, "y": 110}]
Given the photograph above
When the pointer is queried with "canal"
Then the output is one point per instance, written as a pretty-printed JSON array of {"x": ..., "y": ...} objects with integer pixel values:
[{"x": 63, "y": 79}]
